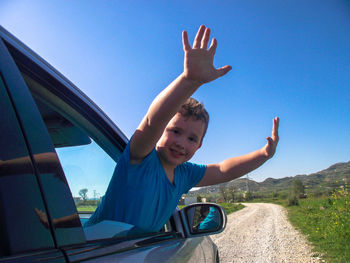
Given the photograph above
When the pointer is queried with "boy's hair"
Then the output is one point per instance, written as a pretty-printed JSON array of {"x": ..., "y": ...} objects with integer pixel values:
[{"x": 195, "y": 109}]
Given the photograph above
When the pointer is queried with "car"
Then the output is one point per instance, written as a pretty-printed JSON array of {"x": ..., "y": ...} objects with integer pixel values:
[{"x": 54, "y": 140}]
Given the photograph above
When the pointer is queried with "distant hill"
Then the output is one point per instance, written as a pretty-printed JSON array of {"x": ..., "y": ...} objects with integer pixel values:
[{"x": 328, "y": 179}]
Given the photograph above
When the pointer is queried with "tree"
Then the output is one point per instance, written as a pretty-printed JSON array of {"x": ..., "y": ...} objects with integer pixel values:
[
  {"x": 248, "y": 196},
  {"x": 298, "y": 188},
  {"x": 231, "y": 191},
  {"x": 223, "y": 192},
  {"x": 274, "y": 195},
  {"x": 83, "y": 194},
  {"x": 292, "y": 199}
]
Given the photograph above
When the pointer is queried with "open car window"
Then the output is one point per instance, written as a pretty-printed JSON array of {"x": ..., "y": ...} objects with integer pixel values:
[
  {"x": 88, "y": 167},
  {"x": 87, "y": 156}
]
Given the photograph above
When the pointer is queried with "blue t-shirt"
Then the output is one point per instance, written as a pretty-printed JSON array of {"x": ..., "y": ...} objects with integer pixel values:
[
  {"x": 211, "y": 221},
  {"x": 142, "y": 195}
]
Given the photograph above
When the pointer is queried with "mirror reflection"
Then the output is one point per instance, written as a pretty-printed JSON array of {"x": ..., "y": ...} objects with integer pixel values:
[{"x": 203, "y": 218}]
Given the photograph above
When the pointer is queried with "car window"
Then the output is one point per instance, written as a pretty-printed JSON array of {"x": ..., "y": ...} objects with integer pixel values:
[
  {"x": 21, "y": 202},
  {"x": 87, "y": 156},
  {"x": 88, "y": 169},
  {"x": 87, "y": 144},
  {"x": 87, "y": 166}
]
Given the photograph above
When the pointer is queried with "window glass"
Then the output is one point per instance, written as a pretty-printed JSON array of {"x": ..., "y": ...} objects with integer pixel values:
[
  {"x": 88, "y": 170},
  {"x": 21, "y": 226},
  {"x": 87, "y": 155},
  {"x": 87, "y": 165}
]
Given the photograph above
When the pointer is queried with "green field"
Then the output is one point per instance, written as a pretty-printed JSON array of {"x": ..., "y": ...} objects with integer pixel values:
[
  {"x": 86, "y": 208},
  {"x": 326, "y": 223},
  {"x": 231, "y": 207}
]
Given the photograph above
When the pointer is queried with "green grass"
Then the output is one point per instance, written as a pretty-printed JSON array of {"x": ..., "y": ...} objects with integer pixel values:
[
  {"x": 86, "y": 208},
  {"x": 326, "y": 223},
  {"x": 231, "y": 207}
]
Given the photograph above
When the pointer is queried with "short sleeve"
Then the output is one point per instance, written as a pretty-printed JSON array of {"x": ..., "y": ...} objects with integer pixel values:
[
  {"x": 126, "y": 157},
  {"x": 191, "y": 175}
]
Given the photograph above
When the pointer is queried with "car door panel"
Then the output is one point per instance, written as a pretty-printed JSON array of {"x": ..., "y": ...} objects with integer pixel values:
[
  {"x": 174, "y": 249},
  {"x": 53, "y": 256},
  {"x": 209, "y": 249}
]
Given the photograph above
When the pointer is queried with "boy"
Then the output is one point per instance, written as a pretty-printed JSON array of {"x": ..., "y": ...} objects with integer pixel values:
[{"x": 154, "y": 172}]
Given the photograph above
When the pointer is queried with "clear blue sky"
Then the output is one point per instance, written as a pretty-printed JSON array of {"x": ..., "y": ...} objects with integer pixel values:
[{"x": 290, "y": 59}]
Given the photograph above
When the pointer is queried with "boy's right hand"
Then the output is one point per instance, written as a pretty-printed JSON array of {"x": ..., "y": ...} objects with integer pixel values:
[{"x": 199, "y": 61}]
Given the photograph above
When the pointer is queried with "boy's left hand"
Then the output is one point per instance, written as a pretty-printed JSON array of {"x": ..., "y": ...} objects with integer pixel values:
[
  {"x": 235, "y": 167},
  {"x": 270, "y": 147}
]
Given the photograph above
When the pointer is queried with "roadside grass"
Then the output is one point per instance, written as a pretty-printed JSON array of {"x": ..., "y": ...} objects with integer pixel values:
[
  {"x": 231, "y": 207},
  {"x": 86, "y": 208},
  {"x": 326, "y": 223}
]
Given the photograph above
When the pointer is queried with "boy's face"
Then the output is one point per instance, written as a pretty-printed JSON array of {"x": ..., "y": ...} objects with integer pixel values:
[{"x": 181, "y": 138}]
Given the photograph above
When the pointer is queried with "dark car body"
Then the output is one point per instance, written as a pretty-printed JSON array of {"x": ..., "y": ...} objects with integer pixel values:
[{"x": 42, "y": 111}]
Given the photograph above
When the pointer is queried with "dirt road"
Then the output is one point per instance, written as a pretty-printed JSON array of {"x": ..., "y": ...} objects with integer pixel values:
[{"x": 261, "y": 233}]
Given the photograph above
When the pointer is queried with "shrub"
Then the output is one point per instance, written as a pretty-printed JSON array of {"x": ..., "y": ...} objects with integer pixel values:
[{"x": 292, "y": 199}]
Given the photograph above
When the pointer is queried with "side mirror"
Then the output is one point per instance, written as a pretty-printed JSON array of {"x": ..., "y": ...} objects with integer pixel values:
[{"x": 203, "y": 219}]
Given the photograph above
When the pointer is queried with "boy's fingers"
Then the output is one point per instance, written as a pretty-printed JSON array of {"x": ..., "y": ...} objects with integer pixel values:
[
  {"x": 185, "y": 42},
  {"x": 199, "y": 36},
  {"x": 205, "y": 39},
  {"x": 223, "y": 70},
  {"x": 213, "y": 45},
  {"x": 271, "y": 147},
  {"x": 275, "y": 128}
]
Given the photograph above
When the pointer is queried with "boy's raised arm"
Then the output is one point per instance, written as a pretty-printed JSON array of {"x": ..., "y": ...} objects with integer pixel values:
[
  {"x": 235, "y": 167},
  {"x": 198, "y": 69}
]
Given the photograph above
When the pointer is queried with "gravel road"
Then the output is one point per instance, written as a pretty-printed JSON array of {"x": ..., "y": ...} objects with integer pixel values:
[{"x": 262, "y": 233}]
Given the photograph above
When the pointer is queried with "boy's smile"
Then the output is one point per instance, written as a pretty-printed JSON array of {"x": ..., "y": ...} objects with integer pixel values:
[{"x": 181, "y": 138}]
